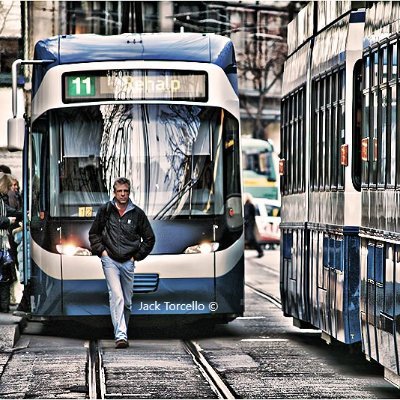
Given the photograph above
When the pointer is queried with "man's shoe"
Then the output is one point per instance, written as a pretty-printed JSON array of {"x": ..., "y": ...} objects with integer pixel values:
[
  {"x": 121, "y": 344},
  {"x": 23, "y": 314}
]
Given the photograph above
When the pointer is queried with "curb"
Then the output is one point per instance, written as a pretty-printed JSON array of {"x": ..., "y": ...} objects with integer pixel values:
[{"x": 10, "y": 330}]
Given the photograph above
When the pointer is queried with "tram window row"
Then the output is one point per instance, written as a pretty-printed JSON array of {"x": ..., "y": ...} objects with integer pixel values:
[{"x": 380, "y": 146}]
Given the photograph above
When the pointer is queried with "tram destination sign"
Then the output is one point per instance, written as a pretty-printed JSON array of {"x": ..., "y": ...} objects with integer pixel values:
[{"x": 138, "y": 84}]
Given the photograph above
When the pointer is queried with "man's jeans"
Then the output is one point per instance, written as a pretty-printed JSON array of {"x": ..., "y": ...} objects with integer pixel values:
[{"x": 119, "y": 277}]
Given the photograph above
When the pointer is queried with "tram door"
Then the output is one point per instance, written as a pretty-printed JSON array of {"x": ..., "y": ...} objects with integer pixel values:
[{"x": 44, "y": 271}]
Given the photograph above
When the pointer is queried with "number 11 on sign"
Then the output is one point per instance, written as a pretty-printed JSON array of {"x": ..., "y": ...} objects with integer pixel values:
[{"x": 81, "y": 86}]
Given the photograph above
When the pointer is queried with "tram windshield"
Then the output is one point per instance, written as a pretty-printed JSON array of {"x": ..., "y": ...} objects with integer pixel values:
[{"x": 173, "y": 155}]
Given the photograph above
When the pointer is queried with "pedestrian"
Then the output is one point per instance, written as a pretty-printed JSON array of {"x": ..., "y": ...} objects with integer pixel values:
[
  {"x": 250, "y": 227},
  {"x": 14, "y": 194},
  {"x": 120, "y": 235},
  {"x": 9, "y": 192},
  {"x": 8, "y": 217}
]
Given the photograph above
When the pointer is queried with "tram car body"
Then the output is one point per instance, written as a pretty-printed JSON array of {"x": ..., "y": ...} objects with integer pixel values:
[
  {"x": 340, "y": 178},
  {"x": 320, "y": 243},
  {"x": 380, "y": 182},
  {"x": 162, "y": 110}
]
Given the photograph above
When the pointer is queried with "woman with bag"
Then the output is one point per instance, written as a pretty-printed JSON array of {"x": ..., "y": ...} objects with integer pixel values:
[{"x": 8, "y": 217}]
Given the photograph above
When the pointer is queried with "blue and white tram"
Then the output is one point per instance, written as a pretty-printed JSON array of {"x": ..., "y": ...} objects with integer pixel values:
[
  {"x": 162, "y": 110},
  {"x": 320, "y": 192},
  {"x": 380, "y": 184}
]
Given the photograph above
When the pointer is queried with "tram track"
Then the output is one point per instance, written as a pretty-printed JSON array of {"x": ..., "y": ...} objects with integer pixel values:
[
  {"x": 97, "y": 378},
  {"x": 93, "y": 370},
  {"x": 220, "y": 388},
  {"x": 97, "y": 388},
  {"x": 272, "y": 299},
  {"x": 96, "y": 375}
]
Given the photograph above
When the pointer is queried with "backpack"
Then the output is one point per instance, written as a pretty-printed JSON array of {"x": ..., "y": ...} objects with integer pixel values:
[{"x": 105, "y": 216}]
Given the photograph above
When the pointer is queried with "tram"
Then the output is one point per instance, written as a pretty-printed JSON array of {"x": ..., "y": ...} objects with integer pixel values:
[
  {"x": 162, "y": 110},
  {"x": 320, "y": 217},
  {"x": 259, "y": 162},
  {"x": 340, "y": 176}
]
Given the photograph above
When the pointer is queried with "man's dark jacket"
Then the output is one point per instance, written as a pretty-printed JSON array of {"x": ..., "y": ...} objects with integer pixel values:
[{"x": 122, "y": 237}]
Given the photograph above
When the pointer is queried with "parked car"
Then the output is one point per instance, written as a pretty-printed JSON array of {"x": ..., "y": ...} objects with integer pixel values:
[{"x": 268, "y": 218}]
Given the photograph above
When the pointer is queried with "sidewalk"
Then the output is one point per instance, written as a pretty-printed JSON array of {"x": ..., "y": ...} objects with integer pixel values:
[{"x": 10, "y": 329}]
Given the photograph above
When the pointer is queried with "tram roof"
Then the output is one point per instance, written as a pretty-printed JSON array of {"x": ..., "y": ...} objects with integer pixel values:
[
  {"x": 69, "y": 49},
  {"x": 85, "y": 48}
]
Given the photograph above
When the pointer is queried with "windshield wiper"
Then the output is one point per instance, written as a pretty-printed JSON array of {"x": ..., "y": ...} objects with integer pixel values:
[{"x": 178, "y": 196}]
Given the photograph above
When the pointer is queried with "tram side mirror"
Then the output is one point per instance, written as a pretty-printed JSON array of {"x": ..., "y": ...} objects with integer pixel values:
[{"x": 16, "y": 134}]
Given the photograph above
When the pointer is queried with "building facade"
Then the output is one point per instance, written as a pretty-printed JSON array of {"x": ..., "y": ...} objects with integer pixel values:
[{"x": 257, "y": 29}]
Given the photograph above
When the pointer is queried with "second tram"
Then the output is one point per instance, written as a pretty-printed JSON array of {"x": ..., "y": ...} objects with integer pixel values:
[{"x": 340, "y": 176}]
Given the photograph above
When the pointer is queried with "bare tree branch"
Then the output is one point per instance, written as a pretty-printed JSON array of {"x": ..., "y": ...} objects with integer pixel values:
[
  {"x": 260, "y": 68},
  {"x": 4, "y": 12}
]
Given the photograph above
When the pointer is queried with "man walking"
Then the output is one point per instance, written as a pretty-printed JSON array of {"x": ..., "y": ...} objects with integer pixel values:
[{"x": 121, "y": 234}]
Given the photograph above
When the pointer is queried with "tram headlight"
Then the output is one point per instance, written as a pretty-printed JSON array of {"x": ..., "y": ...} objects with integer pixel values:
[
  {"x": 203, "y": 248},
  {"x": 72, "y": 250}
]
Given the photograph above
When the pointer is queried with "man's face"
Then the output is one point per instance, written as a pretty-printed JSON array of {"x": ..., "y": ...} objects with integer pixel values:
[{"x": 121, "y": 193}]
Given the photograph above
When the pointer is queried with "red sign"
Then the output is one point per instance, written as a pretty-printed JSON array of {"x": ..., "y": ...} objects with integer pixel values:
[
  {"x": 344, "y": 155},
  {"x": 364, "y": 149},
  {"x": 282, "y": 166}
]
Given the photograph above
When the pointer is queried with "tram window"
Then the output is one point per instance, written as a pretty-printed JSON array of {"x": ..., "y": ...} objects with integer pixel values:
[
  {"x": 341, "y": 127},
  {"x": 371, "y": 262},
  {"x": 384, "y": 65},
  {"x": 392, "y": 135},
  {"x": 295, "y": 147},
  {"x": 382, "y": 139},
  {"x": 334, "y": 87},
  {"x": 367, "y": 71},
  {"x": 392, "y": 115},
  {"x": 393, "y": 60},
  {"x": 375, "y": 69},
  {"x": 320, "y": 139},
  {"x": 327, "y": 132},
  {"x": 389, "y": 297},
  {"x": 284, "y": 145},
  {"x": 293, "y": 142},
  {"x": 303, "y": 143},
  {"x": 315, "y": 140},
  {"x": 373, "y": 145},
  {"x": 371, "y": 128},
  {"x": 379, "y": 262},
  {"x": 334, "y": 129},
  {"x": 283, "y": 138},
  {"x": 329, "y": 151},
  {"x": 39, "y": 168},
  {"x": 232, "y": 155},
  {"x": 167, "y": 163},
  {"x": 365, "y": 135},
  {"x": 357, "y": 130}
]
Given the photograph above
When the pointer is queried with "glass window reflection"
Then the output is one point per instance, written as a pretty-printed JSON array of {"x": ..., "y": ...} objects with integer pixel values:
[{"x": 167, "y": 151}]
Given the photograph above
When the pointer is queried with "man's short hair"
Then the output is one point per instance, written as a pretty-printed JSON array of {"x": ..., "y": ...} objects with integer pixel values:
[{"x": 122, "y": 181}]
